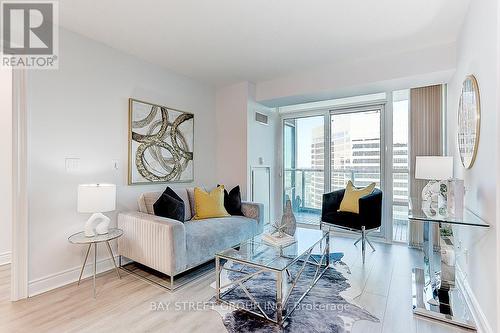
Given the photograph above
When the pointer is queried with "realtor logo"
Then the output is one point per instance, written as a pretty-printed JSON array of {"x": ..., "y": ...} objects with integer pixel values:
[{"x": 29, "y": 34}]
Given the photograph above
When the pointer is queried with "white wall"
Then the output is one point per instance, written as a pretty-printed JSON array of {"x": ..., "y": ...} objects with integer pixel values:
[
  {"x": 263, "y": 143},
  {"x": 241, "y": 141},
  {"x": 81, "y": 111},
  {"x": 5, "y": 165},
  {"x": 477, "y": 54},
  {"x": 369, "y": 74},
  {"x": 231, "y": 129}
]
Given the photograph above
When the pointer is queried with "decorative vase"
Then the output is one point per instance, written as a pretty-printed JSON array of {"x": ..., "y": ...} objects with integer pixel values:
[{"x": 288, "y": 219}]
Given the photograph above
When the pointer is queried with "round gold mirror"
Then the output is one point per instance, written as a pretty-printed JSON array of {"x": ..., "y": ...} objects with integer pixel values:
[{"x": 469, "y": 121}]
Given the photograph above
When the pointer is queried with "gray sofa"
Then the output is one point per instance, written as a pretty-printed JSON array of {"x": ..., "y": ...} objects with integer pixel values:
[{"x": 173, "y": 247}]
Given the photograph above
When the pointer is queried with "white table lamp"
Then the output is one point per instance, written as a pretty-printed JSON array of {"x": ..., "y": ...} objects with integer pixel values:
[
  {"x": 436, "y": 169},
  {"x": 96, "y": 199}
]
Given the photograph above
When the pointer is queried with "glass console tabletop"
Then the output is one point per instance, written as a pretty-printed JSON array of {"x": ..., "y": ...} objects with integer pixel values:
[
  {"x": 257, "y": 252},
  {"x": 468, "y": 218}
]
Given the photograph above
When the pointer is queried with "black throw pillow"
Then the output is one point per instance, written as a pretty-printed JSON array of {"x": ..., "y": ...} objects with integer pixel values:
[
  {"x": 232, "y": 201},
  {"x": 169, "y": 205}
]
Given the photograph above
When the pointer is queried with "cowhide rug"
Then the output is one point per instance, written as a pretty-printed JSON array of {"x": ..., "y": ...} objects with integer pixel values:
[{"x": 328, "y": 307}]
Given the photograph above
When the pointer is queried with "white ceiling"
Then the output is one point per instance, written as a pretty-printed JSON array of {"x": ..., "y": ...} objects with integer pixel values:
[{"x": 225, "y": 41}]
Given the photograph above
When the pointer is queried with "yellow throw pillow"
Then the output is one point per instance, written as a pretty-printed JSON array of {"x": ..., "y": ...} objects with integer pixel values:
[
  {"x": 209, "y": 205},
  {"x": 350, "y": 202}
]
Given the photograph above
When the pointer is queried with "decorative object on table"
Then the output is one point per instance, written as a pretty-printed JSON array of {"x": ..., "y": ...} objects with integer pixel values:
[
  {"x": 368, "y": 218},
  {"x": 82, "y": 238},
  {"x": 288, "y": 221},
  {"x": 96, "y": 199},
  {"x": 469, "y": 121},
  {"x": 336, "y": 287},
  {"x": 278, "y": 239},
  {"x": 436, "y": 169},
  {"x": 160, "y": 144},
  {"x": 279, "y": 227},
  {"x": 456, "y": 192}
]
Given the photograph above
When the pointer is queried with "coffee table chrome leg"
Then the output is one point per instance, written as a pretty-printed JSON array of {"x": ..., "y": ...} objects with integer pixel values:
[
  {"x": 289, "y": 278},
  {"x": 279, "y": 298},
  {"x": 217, "y": 279},
  {"x": 84, "y": 262},
  {"x": 113, "y": 259}
]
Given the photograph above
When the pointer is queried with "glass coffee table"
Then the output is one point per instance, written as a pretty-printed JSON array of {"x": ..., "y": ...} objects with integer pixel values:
[{"x": 311, "y": 247}]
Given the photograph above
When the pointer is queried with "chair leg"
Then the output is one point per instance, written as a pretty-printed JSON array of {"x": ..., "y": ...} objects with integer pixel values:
[
  {"x": 370, "y": 243},
  {"x": 363, "y": 243},
  {"x": 367, "y": 239}
]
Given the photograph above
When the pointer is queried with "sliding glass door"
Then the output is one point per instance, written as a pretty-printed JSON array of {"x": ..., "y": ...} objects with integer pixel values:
[
  {"x": 355, "y": 148},
  {"x": 321, "y": 153}
]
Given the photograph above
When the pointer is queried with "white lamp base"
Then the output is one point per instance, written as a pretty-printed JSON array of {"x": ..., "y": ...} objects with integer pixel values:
[
  {"x": 433, "y": 201},
  {"x": 101, "y": 229}
]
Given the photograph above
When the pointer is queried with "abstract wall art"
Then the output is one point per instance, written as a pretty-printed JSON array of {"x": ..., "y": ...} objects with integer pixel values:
[{"x": 161, "y": 141}]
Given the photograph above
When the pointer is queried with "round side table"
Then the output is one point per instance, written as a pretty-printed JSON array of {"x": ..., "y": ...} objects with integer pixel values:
[{"x": 80, "y": 238}]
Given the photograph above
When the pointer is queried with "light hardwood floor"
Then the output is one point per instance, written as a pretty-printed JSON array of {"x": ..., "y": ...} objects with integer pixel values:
[{"x": 125, "y": 305}]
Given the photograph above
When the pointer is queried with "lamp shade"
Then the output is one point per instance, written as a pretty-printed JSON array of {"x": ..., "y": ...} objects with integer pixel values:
[
  {"x": 434, "y": 167},
  {"x": 96, "y": 198}
]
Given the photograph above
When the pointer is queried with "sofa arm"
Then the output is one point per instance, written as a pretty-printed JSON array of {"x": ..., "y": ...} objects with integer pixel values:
[
  {"x": 254, "y": 211},
  {"x": 154, "y": 241}
]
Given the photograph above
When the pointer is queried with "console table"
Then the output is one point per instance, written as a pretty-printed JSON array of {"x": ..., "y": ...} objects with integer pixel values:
[{"x": 435, "y": 294}]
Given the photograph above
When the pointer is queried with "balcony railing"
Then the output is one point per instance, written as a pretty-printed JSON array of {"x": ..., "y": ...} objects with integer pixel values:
[{"x": 305, "y": 188}]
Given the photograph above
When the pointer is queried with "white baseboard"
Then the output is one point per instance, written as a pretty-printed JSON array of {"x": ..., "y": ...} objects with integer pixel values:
[
  {"x": 60, "y": 279},
  {"x": 5, "y": 258},
  {"x": 483, "y": 326}
]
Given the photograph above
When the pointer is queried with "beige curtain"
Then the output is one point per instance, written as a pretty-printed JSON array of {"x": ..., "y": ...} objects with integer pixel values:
[{"x": 426, "y": 139}]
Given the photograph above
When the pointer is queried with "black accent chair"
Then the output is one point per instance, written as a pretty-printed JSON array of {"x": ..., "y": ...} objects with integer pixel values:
[{"x": 368, "y": 219}]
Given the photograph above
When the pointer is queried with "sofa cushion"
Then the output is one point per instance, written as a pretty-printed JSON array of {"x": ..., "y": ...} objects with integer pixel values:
[
  {"x": 232, "y": 201},
  {"x": 147, "y": 200},
  {"x": 350, "y": 201},
  {"x": 170, "y": 205},
  {"x": 204, "y": 238},
  {"x": 209, "y": 204}
]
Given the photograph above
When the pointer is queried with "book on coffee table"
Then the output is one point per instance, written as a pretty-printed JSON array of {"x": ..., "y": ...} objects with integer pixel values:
[{"x": 274, "y": 239}]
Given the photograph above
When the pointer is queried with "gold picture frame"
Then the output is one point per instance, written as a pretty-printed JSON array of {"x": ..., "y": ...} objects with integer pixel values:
[{"x": 160, "y": 144}]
